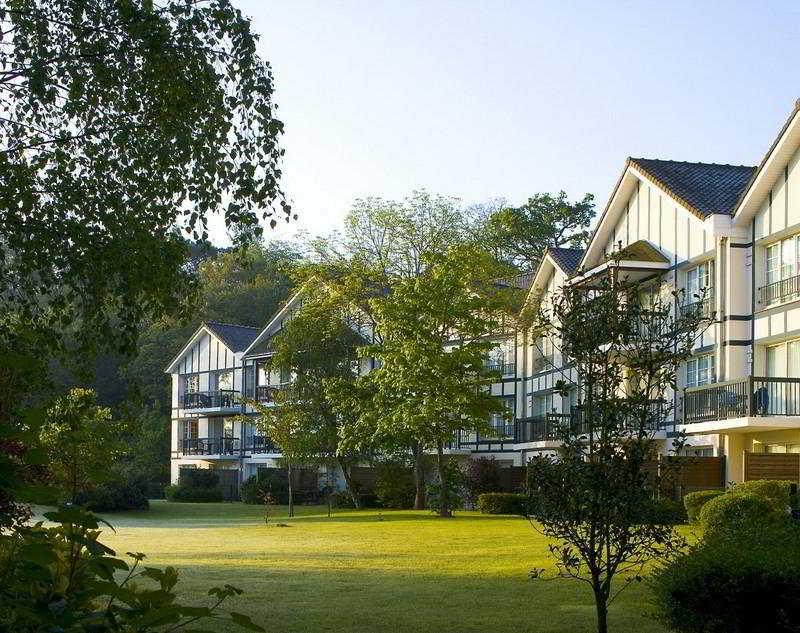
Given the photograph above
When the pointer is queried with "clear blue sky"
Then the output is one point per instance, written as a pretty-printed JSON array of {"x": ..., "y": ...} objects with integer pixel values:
[{"x": 486, "y": 99}]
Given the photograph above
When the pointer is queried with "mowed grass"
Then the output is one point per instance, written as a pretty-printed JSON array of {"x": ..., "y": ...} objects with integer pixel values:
[{"x": 371, "y": 571}]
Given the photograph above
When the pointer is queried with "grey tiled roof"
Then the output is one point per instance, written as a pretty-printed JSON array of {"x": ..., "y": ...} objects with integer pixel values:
[
  {"x": 236, "y": 337},
  {"x": 567, "y": 258},
  {"x": 522, "y": 281},
  {"x": 705, "y": 187}
]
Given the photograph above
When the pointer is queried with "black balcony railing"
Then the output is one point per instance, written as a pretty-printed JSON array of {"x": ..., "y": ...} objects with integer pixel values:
[
  {"x": 211, "y": 446},
  {"x": 506, "y": 369},
  {"x": 261, "y": 444},
  {"x": 779, "y": 291},
  {"x": 223, "y": 399},
  {"x": 227, "y": 446},
  {"x": 751, "y": 396},
  {"x": 553, "y": 426},
  {"x": 265, "y": 394}
]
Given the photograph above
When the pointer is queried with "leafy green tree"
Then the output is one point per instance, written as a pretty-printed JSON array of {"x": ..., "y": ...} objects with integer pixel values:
[
  {"x": 595, "y": 500},
  {"x": 82, "y": 442},
  {"x": 432, "y": 381},
  {"x": 318, "y": 346},
  {"x": 394, "y": 237},
  {"x": 123, "y": 124},
  {"x": 287, "y": 425},
  {"x": 519, "y": 235}
]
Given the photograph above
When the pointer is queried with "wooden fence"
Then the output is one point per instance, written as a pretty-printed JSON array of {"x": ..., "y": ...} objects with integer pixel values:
[{"x": 772, "y": 466}]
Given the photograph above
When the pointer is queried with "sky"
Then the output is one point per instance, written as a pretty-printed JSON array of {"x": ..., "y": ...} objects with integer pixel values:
[{"x": 481, "y": 100}]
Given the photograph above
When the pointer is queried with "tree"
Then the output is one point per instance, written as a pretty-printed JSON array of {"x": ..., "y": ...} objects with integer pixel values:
[
  {"x": 318, "y": 346},
  {"x": 393, "y": 237},
  {"x": 285, "y": 424},
  {"x": 432, "y": 380},
  {"x": 594, "y": 499},
  {"x": 519, "y": 235},
  {"x": 123, "y": 124},
  {"x": 82, "y": 442}
]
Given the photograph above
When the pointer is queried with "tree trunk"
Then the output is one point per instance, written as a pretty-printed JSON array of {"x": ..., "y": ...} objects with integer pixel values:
[
  {"x": 291, "y": 489},
  {"x": 601, "y": 606},
  {"x": 348, "y": 481},
  {"x": 444, "y": 492},
  {"x": 419, "y": 476}
]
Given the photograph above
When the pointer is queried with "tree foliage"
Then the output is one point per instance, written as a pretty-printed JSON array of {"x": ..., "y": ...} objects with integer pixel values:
[
  {"x": 595, "y": 499},
  {"x": 394, "y": 238},
  {"x": 124, "y": 121},
  {"x": 318, "y": 346},
  {"x": 432, "y": 381},
  {"x": 520, "y": 235},
  {"x": 82, "y": 443}
]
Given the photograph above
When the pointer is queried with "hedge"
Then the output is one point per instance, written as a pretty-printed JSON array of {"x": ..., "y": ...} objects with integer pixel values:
[
  {"x": 729, "y": 511},
  {"x": 115, "y": 496},
  {"x": 744, "y": 581},
  {"x": 192, "y": 495},
  {"x": 502, "y": 503},
  {"x": 777, "y": 492},
  {"x": 694, "y": 502}
]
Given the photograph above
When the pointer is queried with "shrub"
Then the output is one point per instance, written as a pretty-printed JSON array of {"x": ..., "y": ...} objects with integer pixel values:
[
  {"x": 192, "y": 495},
  {"x": 253, "y": 491},
  {"x": 482, "y": 475},
  {"x": 775, "y": 491},
  {"x": 745, "y": 581},
  {"x": 198, "y": 478},
  {"x": 730, "y": 512},
  {"x": 394, "y": 485},
  {"x": 62, "y": 578},
  {"x": 502, "y": 503},
  {"x": 666, "y": 511},
  {"x": 694, "y": 502},
  {"x": 456, "y": 488},
  {"x": 114, "y": 496}
]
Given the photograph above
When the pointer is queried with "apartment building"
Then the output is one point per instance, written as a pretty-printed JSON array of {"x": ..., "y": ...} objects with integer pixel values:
[{"x": 731, "y": 231}]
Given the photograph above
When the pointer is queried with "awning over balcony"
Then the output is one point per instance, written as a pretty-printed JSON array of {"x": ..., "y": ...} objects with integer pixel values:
[{"x": 636, "y": 262}]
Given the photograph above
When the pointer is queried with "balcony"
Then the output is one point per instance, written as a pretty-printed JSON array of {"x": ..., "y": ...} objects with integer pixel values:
[
  {"x": 754, "y": 402},
  {"x": 504, "y": 369},
  {"x": 210, "y": 446},
  {"x": 780, "y": 291},
  {"x": 225, "y": 400},
  {"x": 704, "y": 307},
  {"x": 265, "y": 394},
  {"x": 552, "y": 426},
  {"x": 222, "y": 447}
]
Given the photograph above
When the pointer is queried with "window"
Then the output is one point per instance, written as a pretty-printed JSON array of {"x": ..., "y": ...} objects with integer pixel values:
[
  {"x": 700, "y": 371},
  {"x": 542, "y": 404},
  {"x": 698, "y": 451},
  {"x": 782, "y": 448},
  {"x": 286, "y": 376},
  {"x": 227, "y": 427},
  {"x": 189, "y": 429},
  {"x": 225, "y": 381},
  {"x": 191, "y": 383},
  {"x": 699, "y": 280},
  {"x": 783, "y": 262},
  {"x": 263, "y": 374},
  {"x": 503, "y": 424},
  {"x": 783, "y": 361}
]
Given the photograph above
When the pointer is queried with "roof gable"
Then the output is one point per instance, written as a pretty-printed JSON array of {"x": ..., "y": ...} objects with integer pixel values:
[
  {"x": 567, "y": 259},
  {"x": 236, "y": 338},
  {"x": 704, "y": 188}
]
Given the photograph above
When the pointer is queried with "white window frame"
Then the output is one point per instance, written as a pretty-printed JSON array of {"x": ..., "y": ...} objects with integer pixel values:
[
  {"x": 782, "y": 259},
  {"x": 701, "y": 370},
  {"x": 785, "y": 371},
  {"x": 699, "y": 278}
]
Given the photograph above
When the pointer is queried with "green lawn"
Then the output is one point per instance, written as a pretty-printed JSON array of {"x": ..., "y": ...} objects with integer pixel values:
[{"x": 371, "y": 571}]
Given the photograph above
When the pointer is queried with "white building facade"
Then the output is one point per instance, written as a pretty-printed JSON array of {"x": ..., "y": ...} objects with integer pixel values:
[{"x": 732, "y": 232}]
